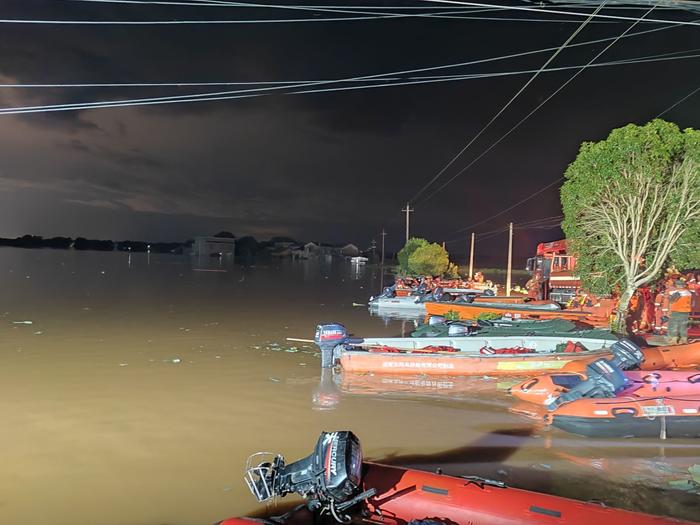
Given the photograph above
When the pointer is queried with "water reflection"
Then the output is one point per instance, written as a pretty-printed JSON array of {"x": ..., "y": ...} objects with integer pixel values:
[{"x": 136, "y": 392}]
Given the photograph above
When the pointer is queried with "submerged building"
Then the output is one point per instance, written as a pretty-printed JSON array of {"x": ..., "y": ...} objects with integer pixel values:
[{"x": 209, "y": 246}]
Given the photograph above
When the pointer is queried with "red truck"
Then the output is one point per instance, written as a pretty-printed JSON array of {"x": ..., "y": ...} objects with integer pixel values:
[{"x": 553, "y": 273}]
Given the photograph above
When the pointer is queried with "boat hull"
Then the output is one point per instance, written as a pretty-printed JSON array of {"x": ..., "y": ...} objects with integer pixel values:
[
  {"x": 677, "y": 357},
  {"x": 542, "y": 389},
  {"x": 475, "y": 310},
  {"x": 397, "y": 303},
  {"x": 457, "y": 364},
  {"x": 631, "y": 416},
  {"x": 406, "y": 495}
]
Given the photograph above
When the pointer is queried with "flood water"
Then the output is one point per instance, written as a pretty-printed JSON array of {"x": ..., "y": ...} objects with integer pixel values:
[{"x": 143, "y": 383}]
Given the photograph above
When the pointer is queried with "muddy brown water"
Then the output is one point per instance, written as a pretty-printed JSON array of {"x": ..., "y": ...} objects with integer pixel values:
[{"x": 143, "y": 383}]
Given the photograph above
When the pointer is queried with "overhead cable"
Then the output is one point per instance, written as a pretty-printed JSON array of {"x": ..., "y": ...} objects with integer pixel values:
[
  {"x": 566, "y": 83},
  {"x": 506, "y": 105},
  {"x": 256, "y": 92},
  {"x": 554, "y": 11},
  {"x": 678, "y": 102}
]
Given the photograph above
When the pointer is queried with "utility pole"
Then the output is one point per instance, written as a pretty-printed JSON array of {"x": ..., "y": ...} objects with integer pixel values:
[
  {"x": 408, "y": 210},
  {"x": 510, "y": 257},
  {"x": 471, "y": 259},
  {"x": 383, "y": 236}
]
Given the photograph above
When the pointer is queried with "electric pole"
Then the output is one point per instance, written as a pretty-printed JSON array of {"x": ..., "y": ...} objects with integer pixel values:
[
  {"x": 471, "y": 259},
  {"x": 510, "y": 257},
  {"x": 408, "y": 210},
  {"x": 383, "y": 236}
]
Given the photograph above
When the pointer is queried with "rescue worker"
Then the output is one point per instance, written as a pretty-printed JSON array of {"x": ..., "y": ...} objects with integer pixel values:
[
  {"x": 633, "y": 313},
  {"x": 680, "y": 302},
  {"x": 658, "y": 302},
  {"x": 647, "y": 315}
]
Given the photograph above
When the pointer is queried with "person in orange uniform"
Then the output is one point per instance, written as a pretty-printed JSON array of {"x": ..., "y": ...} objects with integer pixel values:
[
  {"x": 680, "y": 303},
  {"x": 647, "y": 320}
]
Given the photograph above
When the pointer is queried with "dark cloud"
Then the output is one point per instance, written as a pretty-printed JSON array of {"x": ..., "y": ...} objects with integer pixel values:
[{"x": 332, "y": 166}]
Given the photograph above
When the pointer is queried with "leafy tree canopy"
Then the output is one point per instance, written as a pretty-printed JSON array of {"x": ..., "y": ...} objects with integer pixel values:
[
  {"x": 429, "y": 259},
  {"x": 631, "y": 205},
  {"x": 411, "y": 246}
]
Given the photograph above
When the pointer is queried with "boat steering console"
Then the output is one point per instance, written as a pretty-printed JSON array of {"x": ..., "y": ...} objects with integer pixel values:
[{"x": 330, "y": 479}]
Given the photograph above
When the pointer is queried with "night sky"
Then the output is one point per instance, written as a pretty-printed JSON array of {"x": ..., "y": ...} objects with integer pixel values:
[{"x": 333, "y": 167}]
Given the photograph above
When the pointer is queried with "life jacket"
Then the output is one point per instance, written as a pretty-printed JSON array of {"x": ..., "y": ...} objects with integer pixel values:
[{"x": 681, "y": 300}]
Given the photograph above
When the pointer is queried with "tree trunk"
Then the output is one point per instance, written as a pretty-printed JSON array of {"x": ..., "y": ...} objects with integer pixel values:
[{"x": 623, "y": 309}]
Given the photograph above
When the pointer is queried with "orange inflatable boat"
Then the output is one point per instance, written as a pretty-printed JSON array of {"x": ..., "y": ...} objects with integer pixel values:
[
  {"x": 655, "y": 358},
  {"x": 630, "y": 416},
  {"x": 640, "y": 384},
  {"x": 339, "y": 487},
  {"x": 457, "y": 364},
  {"x": 474, "y": 310}
]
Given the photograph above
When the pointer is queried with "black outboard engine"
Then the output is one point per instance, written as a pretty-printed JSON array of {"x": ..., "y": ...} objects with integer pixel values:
[
  {"x": 330, "y": 479},
  {"x": 328, "y": 337},
  {"x": 460, "y": 330},
  {"x": 605, "y": 377},
  {"x": 438, "y": 293},
  {"x": 436, "y": 319}
]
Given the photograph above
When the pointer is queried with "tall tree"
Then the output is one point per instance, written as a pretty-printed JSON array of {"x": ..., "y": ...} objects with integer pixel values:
[
  {"x": 405, "y": 253},
  {"x": 632, "y": 206},
  {"x": 430, "y": 259}
]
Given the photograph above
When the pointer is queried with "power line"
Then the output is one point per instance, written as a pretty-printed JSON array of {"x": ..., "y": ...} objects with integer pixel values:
[
  {"x": 256, "y": 92},
  {"x": 347, "y": 10},
  {"x": 371, "y": 16},
  {"x": 187, "y": 83},
  {"x": 554, "y": 11},
  {"x": 678, "y": 103},
  {"x": 506, "y": 106},
  {"x": 535, "y": 194},
  {"x": 566, "y": 83},
  {"x": 216, "y": 3},
  {"x": 286, "y": 83}
]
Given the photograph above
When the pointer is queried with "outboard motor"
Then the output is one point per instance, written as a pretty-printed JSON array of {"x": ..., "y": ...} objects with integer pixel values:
[
  {"x": 459, "y": 329},
  {"x": 626, "y": 354},
  {"x": 330, "y": 479},
  {"x": 327, "y": 338},
  {"x": 605, "y": 377}
]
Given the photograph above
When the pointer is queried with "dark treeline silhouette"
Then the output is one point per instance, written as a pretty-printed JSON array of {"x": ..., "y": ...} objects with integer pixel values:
[
  {"x": 248, "y": 249},
  {"x": 81, "y": 243}
]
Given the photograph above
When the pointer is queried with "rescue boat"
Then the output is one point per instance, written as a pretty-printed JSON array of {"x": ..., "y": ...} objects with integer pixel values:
[
  {"x": 543, "y": 388},
  {"x": 630, "y": 416},
  {"x": 472, "y": 355},
  {"x": 352, "y": 491},
  {"x": 461, "y": 356},
  {"x": 677, "y": 357},
  {"x": 517, "y": 311}
]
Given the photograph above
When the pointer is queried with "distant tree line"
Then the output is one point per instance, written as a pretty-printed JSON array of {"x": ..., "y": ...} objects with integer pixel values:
[
  {"x": 247, "y": 247},
  {"x": 81, "y": 243}
]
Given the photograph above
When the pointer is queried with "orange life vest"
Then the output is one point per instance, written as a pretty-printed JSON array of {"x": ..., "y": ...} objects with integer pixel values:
[{"x": 681, "y": 301}]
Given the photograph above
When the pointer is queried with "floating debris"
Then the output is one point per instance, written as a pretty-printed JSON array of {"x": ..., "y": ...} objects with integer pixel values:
[
  {"x": 175, "y": 360},
  {"x": 123, "y": 364},
  {"x": 682, "y": 484},
  {"x": 695, "y": 473},
  {"x": 22, "y": 322},
  {"x": 358, "y": 304},
  {"x": 291, "y": 349},
  {"x": 39, "y": 332},
  {"x": 274, "y": 379}
]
